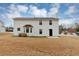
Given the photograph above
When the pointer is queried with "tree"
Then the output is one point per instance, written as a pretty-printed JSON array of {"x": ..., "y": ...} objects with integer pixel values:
[
  {"x": 61, "y": 29},
  {"x": 77, "y": 27}
]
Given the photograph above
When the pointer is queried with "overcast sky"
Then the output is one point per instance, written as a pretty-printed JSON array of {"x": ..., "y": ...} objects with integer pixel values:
[{"x": 67, "y": 13}]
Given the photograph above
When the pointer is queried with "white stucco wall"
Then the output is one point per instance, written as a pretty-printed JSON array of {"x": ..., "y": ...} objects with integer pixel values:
[
  {"x": 2, "y": 29},
  {"x": 35, "y": 30}
]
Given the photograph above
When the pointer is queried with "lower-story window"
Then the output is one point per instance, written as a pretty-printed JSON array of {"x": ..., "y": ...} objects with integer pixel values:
[
  {"x": 27, "y": 30},
  {"x": 18, "y": 29},
  {"x": 40, "y": 31},
  {"x": 31, "y": 30}
]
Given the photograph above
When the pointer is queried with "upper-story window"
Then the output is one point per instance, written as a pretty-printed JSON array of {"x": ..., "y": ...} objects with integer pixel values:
[
  {"x": 18, "y": 29},
  {"x": 40, "y": 22},
  {"x": 50, "y": 22}
]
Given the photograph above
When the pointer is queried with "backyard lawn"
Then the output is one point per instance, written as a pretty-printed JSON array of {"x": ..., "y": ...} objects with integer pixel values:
[{"x": 36, "y": 46}]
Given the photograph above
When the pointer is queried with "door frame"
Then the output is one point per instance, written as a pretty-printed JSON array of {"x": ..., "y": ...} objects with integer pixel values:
[{"x": 50, "y": 32}]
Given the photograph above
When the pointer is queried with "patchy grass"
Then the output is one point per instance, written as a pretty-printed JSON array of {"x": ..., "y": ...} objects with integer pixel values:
[{"x": 28, "y": 46}]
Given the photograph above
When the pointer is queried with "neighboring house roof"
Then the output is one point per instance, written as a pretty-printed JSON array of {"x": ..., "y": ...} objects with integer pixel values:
[
  {"x": 71, "y": 30},
  {"x": 27, "y": 26},
  {"x": 35, "y": 18}
]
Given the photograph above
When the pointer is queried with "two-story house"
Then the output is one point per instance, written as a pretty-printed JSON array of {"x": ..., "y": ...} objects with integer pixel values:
[{"x": 36, "y": 26}]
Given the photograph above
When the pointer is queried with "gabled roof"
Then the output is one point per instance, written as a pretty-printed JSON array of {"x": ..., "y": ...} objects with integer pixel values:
[{"x": 35, "y": 18}]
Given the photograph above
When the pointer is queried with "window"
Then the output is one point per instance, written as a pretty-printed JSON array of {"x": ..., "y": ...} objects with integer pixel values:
[
  {"x": 40, "y": 22},
  {"x": 18, "y": 29},
  {"x": 27, "y": 30},
  {"x": 40, "y": 31},
  {"x": 31, "y": 30},
  {"x": 50, "y": 22}
]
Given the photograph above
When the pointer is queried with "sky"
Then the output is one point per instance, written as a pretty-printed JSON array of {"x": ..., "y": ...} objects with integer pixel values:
[{"x": 68, "y": 13}]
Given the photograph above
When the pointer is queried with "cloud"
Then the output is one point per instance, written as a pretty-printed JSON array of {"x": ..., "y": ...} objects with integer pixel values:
[
  {"x": 71, "y": 10},
  {"x": 34, "y": 11},
  {"x": 54, "y": 10},
  {"x": 44, "y": 12},
  {"x": 6, "y": 21},
  {"x": 67, "y": 22},
  {"x": 14, "y": 10},
  {"x": 38, "y": 12},
  {"x": 13, "y": 15},
  {"x": 12, "y": 7},
  {"x": 22, "y": 8},
  {"x": 57, "y": 5}
]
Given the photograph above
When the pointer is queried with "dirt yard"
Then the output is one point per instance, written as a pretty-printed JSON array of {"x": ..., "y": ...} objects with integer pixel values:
[{"x": 36, "y": 46}]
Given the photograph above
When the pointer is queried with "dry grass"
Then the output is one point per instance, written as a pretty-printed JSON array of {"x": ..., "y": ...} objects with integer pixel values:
[{"x": 28, "y": 46}]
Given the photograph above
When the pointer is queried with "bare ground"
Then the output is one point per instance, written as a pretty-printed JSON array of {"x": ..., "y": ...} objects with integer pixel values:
[{"x": 36, "y": 46}]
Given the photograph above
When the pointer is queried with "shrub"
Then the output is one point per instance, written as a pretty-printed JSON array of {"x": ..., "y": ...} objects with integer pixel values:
[
  {"x": 77, "y": 29},
  {"x": 22, "y": 35},
  {"x": 65, "y": 33}
]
